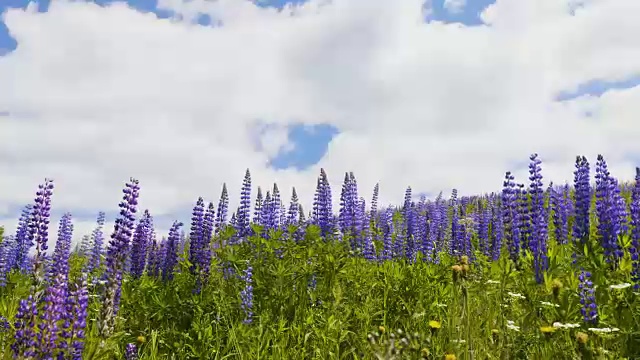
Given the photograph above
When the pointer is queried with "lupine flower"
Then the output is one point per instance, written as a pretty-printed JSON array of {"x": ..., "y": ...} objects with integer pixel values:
[
  {"x": 170, "y": 255},
  {"x": 483, "y": 230},
  {"x": 243, "y": 216},
  {"x": 25, "y": 337},
  {"x": 195, "y": 237},
  {"x": 131, "y": 352},
  {"x": 634, "y": 250},
  {"x": 39, "y": 222},
  {"x": 369, "y": 250},
  {"x": 8, "y": 249},
  {"x": 80, "y": 302},
  {"x": 374, "y": 202},
  {"x": 223, "y": 207},
  {"x": 97, "y": 238},
  {"x": 587, "y": 298},
  {"x": 322, "y": 210},
  {"x": 497, "y": 230},
  {"x": 524, "y": 218},
  {"x": 257, "y": 208},
  {"x": 116, "y": 254},
  {"x": 85, "y": 246},
  {"x": 582, "y": 202},
  {"x": 276, "y": 206},
  {"x": 457, "y": 234},
  {"x": 294, "y": 208},
  {"x": 139, "y": 244},
  {"x": 205, "y": 247},
  {"x": 53, "y": 311},
  {"x": 23, "y": 240},
  {"x": 60, "y": 264},
  {"x": 388, "y": 229},
  {"x": 246, "y": 295},
  {"x": 538, "y": 240},
  {"x": 610, "y": 213},
  {"x": 408, "y": 214}
]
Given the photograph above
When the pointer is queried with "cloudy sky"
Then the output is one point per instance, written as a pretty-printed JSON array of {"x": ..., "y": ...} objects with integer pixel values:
[{"x": 185, "y": 95}]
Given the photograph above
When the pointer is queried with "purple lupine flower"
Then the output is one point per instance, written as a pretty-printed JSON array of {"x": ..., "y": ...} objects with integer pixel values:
[
  {"x": 609, "y": 211},
  {"x": 497, "y": 230},
  {"x": 267, "y": 215},
  {"x": 246, "y": 295},
  {"x": 400, "y": 240},
  {"x": 207, "y": 234},
  {"x": 257, "y": 208},
  {"x": 465, "y": 231},
  {"x": 524, "y": 212},
  {"x": 131, "y": 352},
  {"x": 388, "y": 230},
  {"x": 559, "y": 203},
  {"x": 85, "y": 246},
  {"x": 538, "y": 239},
  {"x": 587, "y": 298},
  {"x": 343, "y": 218},
  {"x": 349, "y": 212},
  {"x": 359, "y": 223},
  {"x": 374, "y": 202},
  {"x": 170, "y": 254},
  {"x": 634, "y": 250},
  {"x": 39, "y": 222},
  {"x": 457, "y": 235},
  {"x": 97, "y": 238},
  {"x": 294, "y": 208},
  {"x": 322, "y": 207},
  {"x": 53, "y": 311},
  {"x": 23, "y": 240},
  {"x": 408, "y": 213},
  {"x": 431, "y": 236},
  {"x": 423, "y": 240},
  {"x": 195, "y": 236},
  {"x": 78, "y": 320},
  {"x": 61, "y": 253},
  {"x": 243, "y": 217},
  {"x": 582, "y": 202},
  {"x": 25, "y": 337},
  {"x": 223, "y": 208},
  {"x": 156, "y": 257},
  {"x": 8, "y": 249},
  {"x": 369, "y": 248},
  {"x": 276, "y": 205},
  {"x": 483, "y": 229},
  {"x": 510, "y": 216},
  {"x": 117, "y": 251},
  {"x": 139, "y": 244}
]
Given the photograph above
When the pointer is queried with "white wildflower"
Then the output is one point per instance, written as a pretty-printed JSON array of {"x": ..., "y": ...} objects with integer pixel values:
[
  {"x": 604, "y": 330},
  {"x": 493, "y": 282},
  {"x": 512, "y": 325},
  {"x": 619, "y": 286},
  {"x": 565, "y": 326},
  {"x": 516, "y": 295},
  {"x": 546, "y": 303}
]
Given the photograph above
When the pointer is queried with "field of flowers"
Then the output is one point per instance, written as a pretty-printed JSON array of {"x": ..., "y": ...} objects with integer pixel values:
[{"x": 533, "y": 271}]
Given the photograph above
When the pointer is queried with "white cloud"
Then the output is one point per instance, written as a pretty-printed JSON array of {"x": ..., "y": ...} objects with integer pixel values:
[
  {"x": 432, "y": 105},
  {"x": 454, "y": 6}
]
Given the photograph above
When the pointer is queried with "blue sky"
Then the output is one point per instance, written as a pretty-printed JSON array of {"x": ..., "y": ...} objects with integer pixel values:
[{"x": 310, "y": 143}]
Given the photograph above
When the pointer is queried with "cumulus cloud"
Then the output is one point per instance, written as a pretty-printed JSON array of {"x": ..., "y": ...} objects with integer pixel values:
[{"x": 184, "y": 107}]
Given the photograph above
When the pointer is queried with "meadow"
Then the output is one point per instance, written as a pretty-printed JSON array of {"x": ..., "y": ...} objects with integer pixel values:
[{"x": 533, "y": 271}]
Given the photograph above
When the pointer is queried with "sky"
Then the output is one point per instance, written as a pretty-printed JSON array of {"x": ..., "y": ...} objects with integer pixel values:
[{"x": 186, "y": 95}]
